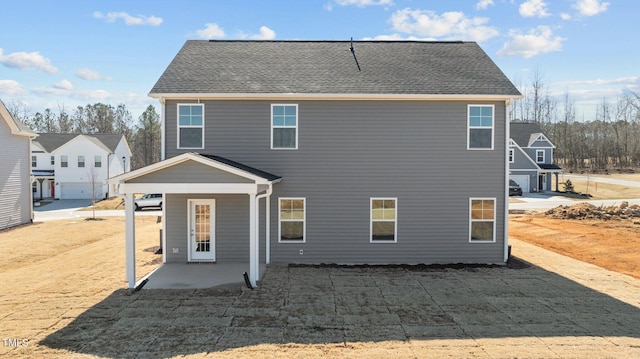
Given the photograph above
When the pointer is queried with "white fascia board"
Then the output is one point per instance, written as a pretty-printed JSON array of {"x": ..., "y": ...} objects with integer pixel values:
[
  {"x": 528, "y": 158},
  {"x": 228, "y": 168},
  {"x": 335, "y": 97},
  {"x": 544, "y": 138},
  {"x": 219, "y": 188},
  {"x": 148, "y": 169}
]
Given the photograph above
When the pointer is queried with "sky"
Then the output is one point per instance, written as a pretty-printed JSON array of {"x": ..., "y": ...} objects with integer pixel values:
[{"x": 64, "y": 54}]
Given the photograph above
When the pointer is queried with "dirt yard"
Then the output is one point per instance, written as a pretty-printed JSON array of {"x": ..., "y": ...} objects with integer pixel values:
[
  {"x": 611, "y": 244},
  {"x": 53, "y": 271}
]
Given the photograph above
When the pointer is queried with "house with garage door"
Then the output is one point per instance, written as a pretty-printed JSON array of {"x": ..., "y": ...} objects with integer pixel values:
[
  {"x": 16, "y": 206},
  {"x": 364, "y": 152},
  {"x": 77, "y": 166},
  {"x": 531, "y": 158}
]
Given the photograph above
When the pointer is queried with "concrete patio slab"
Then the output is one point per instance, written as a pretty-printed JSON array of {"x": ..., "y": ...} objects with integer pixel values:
[{"x": 197, "y": 275}]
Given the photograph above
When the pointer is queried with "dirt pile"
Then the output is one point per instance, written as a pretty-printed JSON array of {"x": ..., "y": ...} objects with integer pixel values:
[{"x": 589, "y": 211}]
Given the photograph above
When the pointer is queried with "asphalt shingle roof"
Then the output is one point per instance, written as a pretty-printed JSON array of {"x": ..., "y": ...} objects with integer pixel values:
[
  {"x": 266, "y": 175},
  {"x": 521, "y": 132},
  {"x": 328, "y": 67},
  {"x": 51, "y": 141}
]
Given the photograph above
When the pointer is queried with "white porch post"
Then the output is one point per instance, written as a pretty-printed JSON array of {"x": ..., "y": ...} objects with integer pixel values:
[
  {"x": 267, "y": 225},
  {"x": 254, "y": 260},
  {"x": 130, "y": 239}
]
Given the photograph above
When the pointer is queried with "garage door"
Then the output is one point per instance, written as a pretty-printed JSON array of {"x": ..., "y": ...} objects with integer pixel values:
[
  {"x": 71, "y": 190},
  {"x": 523, "y": 181}
]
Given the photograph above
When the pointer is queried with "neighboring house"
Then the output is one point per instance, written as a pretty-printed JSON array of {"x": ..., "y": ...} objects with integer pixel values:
[
  {"x": 16, "y": 206},
  {"x": 77, "y": 166},
  {"x": 531, "y": 158},
  {"x": 291, "y": 152}
]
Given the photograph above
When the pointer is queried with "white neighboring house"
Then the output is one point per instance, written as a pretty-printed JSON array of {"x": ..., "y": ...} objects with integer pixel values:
[
  {"x": 16, "y": 206},
  {"x": 77, "y": 166}
]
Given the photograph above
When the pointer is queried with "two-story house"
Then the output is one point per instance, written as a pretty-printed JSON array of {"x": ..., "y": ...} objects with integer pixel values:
[
  {"x": 531, "y": 158},
  {"x": 390, "y": 152},
  {"x": 16, "y": 206},
  {"x": 77, "y": 166}
]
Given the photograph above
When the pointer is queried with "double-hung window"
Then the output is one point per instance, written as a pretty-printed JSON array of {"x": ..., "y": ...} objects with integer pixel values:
[
  {"x": 539, "y": 156},
  {"x": 511, "y": 155},
  {"x": 53, "y": 160},
  {"x": 97, "y": 161},
  {"x": 482, "y": 220},
  {"x": 284, "y": 127},
  {"x": 190, "y": 125},
  {"x": 80, "y": 161},
  {"x": 64, "y": 161},
  {"x": 292, "y": 213},
  {"x": 480, "y": 127},
  {"x": 34, "y": 161},
  {"x": 384, "y": 214}
]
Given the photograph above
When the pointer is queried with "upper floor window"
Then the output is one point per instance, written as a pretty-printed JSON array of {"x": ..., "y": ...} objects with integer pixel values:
[
  {"x": 284, "y": 127},
  {"x": 511, "y": 155},
  {"x": 480, "y": 127},
  {"x": 383, "y": 220},
  {"x": 190, "y": 126},
  {"x": 80, "y": 161},
  {"x": 97, "y": 161},
  {"x": 540, "y": 156},
  {"x": 53, "y": 160},
  {"x": 34, "y": 161},
  {"x": 64, "y": 161}
]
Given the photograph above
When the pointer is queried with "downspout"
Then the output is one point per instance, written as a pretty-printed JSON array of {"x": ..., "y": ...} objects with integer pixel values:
[
  {"x": 267, "y": 224},
  {"x": 507, "y": 136}
]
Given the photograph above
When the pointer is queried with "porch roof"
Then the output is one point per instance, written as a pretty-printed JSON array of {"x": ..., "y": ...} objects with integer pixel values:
[{"x": 549, "y": 167}]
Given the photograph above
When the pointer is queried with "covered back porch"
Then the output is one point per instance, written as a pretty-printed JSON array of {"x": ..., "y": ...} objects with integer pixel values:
[{"x": 211, "y": 219}]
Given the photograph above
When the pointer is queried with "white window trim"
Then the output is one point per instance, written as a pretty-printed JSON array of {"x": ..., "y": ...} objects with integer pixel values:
[
  {"x": 512, "y": 155},
  {"x": 304, "y": 219},
  {"x": 493, "y": 127},
  {"x": 53, "y": 160},
  {"x": 34, "y": 161},
  {"x": 395, "y": 220},
  {"x": 64, "y": 161},
  {"x": 537, "y": 157},
  {"x": 272, "y": 127},
  {"x": 84, "y": 162},
  {"x": 178, "y": 124},
  {"x": 95, "y": 162},
  {"x": 471, "y": 220}
]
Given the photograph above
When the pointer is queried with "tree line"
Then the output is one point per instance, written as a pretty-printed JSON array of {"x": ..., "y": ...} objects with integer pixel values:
[
  {"x": 142, "y": 136},
  {"x": 610, "y": 140}
]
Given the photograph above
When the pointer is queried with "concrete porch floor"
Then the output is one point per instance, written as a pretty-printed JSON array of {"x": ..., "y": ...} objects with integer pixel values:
[{"x": 198, "y": 275}]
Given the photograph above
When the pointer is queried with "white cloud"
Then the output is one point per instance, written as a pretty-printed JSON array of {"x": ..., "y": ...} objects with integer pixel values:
[
  {"x": 27, "y": 61},
  {"x": 88, "y": 74},
  {"x": 484, "y": 4},
  {"x": 83, "y": 95},
  {"x": 10, "y": 87},
  {"x": 537, "y": 41},
  {"x": 565, "y": 16},
  {"x": 210, "y": 31},
  {"x": 128, "y": 19},
  {"x": 590, "y": 7},
  {"x": 265, "y": 34},
  {"x": 64, "y": 85},
  {"x": 448, "y": 26},
  {"x": 533, "y": 8}
]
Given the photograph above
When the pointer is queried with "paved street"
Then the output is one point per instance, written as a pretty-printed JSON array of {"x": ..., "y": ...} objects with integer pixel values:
[{"x": 71, "y": 208}]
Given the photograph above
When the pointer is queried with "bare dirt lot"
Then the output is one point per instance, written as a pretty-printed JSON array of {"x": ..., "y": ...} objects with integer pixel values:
[
  {"x": 610, "y": 244},
  {"x": 63, "y": 296}
]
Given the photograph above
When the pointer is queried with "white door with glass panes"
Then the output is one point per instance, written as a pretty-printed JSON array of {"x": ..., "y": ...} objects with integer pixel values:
[{"x": 202, "y": 230}]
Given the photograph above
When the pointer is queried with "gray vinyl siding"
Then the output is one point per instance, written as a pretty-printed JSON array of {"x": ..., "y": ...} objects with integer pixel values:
[
  {"x": 350, "y": 151},
  {"x": 232, "y": 227},
  {"x": 15, "y": 184},
  {"x": 532, "y": 153},
  {"x": 190, "y": 172},
  {"x": 522, "y": 161}
]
